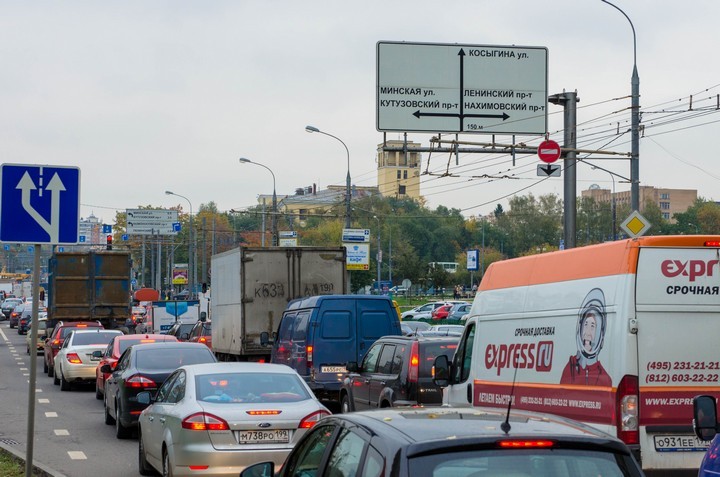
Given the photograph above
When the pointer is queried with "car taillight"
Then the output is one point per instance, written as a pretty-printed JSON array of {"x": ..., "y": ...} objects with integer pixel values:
[
  {"x": 626, "y": 410},
  {"x": 202, "y": 339},
  {"x": 524, "y": 444},
  {"x": 309, "y": 421},
  {"x": 264, "y": 412},
  {"x": 309, "y": 355},
  {"x": 414, "y": 368},
  {"x": 140, "y": 381},
  {"x": 74, "y": 358},
  {"x": 57, "y": 342},
  {"x": 203, "y": 421}
]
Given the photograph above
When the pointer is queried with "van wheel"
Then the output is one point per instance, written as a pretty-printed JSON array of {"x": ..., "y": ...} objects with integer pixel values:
[{"x": 345, "y": 404}]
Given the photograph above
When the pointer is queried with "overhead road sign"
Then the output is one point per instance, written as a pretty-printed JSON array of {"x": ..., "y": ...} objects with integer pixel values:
[
  {"x": 548, "y": 170},
  {"x": 433, "y": 87},
  {"x": 39, "y": 204},
  {"x": 151, "y": 221}
]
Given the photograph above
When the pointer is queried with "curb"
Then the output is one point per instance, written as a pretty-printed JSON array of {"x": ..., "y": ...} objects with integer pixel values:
[{"x": 38, "y": 469}]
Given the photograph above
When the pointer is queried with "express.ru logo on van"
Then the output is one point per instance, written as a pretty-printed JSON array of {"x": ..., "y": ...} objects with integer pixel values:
[
  {"x": 691, "y": 268},
  {"x": 536, "y": 356}
]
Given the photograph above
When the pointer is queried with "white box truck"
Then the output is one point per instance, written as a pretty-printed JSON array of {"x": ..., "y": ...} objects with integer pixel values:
[
  {"x": 252, "y": 286},
  {"x": 620, "y": 335}
]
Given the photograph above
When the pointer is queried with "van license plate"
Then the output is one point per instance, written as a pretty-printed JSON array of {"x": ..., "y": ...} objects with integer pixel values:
[
  {"x": 678, "y": 443},
  {"x": 259, "y": 437},
  {"x": 333, "y": 369}
]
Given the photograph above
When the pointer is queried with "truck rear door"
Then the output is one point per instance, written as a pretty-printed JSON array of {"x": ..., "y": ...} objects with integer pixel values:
[{"x": 678, "y": 321}]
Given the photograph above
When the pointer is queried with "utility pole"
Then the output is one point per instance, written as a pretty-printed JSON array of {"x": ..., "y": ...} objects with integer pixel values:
[{"x": 569, "y": 103}]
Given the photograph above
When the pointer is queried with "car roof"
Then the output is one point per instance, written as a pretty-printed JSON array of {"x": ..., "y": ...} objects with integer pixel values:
[
  {"x": 239, "y": 367},
  {"x": 145, "y": 336},
  {"x": 168, "y": 344},
  {"x": 314, "y": 301},
  {"x": 95, "y": 329},
  {"x": 434, "y": 428}
]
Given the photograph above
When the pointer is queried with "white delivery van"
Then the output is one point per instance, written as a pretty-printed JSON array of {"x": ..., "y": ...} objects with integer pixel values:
[{"x": 620, "y": 335}]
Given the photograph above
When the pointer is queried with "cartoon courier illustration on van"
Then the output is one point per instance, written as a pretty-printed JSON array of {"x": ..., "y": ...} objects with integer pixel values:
[{"x": 584, "y": 367}]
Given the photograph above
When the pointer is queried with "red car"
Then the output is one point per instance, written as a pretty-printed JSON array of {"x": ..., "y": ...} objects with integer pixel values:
[
  {"x": 441, "y": 313},
  {"x": 202, "y": 333},
  {"x": 54, "y": 343},
  {"x": 113, "y": 351}
]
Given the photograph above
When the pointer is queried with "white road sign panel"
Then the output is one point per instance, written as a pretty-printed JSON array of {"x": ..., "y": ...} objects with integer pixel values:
[
  {"x": 431, "y": 87},
  {"x": 356, "y": 235},
  {"x": 151, "y": 221},
  {"x": 358, "y": 256},
  {"x": 548, "y": 170}
]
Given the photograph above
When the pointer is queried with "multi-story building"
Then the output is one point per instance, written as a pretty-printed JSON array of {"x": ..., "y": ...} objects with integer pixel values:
[
  {"x": 670, "y": 201},
  {"x": 399, "y": 171}
]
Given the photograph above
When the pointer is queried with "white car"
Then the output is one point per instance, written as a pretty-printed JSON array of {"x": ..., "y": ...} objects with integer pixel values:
[
  {"x": 75, "y": 362},
  {"x": 424, "y": 312},
  {"x": 223, "y": 417}
]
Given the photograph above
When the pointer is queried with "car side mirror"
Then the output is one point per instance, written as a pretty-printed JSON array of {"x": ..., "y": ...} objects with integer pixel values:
[
  {"x": 264, "y": 338},
  {"x": 441, "y": 371},
  {"x": 106, "y": 368},
  {"x": 352, "y": 367},
  {"x": 705, "y": 417},
  {"x": 263, "y": 469},
  {"x": 97, "y": 354},
  {"x": 145, "y": 397},
  {"x": 203, "y": 316},
  {"x": 185, "y": 336}
]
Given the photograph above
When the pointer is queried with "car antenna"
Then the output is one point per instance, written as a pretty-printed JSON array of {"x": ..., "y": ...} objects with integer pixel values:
[{"x": 505, "y": 426}]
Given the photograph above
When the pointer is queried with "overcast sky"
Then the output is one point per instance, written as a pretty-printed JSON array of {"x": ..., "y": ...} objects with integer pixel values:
[{"x": 146, "y": 96}]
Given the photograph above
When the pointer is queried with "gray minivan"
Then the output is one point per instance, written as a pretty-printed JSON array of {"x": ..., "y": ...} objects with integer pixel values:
[{"x": 318, "y": 335}]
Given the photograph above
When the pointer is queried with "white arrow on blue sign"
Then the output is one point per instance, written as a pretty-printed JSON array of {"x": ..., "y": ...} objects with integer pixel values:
[
  {"x": 39, "y": 204},
  {"x": 107, "y": 229}
]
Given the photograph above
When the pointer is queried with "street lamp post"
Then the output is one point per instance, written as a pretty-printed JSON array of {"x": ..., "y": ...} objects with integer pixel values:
[
  {"x": 274, "y": 200},
  {"x": 312, "y": 129},
  {"x": 634, "y": 122},
  {"x": 192, "y": 272}
]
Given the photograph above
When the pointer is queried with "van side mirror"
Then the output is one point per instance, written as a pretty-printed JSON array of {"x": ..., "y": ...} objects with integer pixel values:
[
  {"x": 264, "y": 338},
  {"x": 441, "y": 371},
  {"x": 203, "y": 316},
  {"x": 705, "y": 417},
  {"x": 352, "y": 367}
]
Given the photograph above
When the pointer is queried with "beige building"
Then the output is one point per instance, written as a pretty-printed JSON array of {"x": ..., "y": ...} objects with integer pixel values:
[
  {"x": 399, "y": 171},
  {"x": 670, "y": 201}
]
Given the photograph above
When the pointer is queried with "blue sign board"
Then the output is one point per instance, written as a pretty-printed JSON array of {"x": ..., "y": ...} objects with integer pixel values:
[
  {"x": 176, "y": 226},
  {"x": 6, "y": 247},
  {"x": 82, "y": 238},
  {"x": 61, "y": 249},
  {"x": 39, "y": 204},
  {"x": 124, "y": 236},
  {"x": 473, "y": 260},
  {"x": 107, "y": 229}
]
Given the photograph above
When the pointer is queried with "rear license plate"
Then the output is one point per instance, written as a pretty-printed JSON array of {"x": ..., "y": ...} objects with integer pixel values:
[
  {"x": 333, "y": 369},
  {"x": 679, "y": 443},
  {"x": 261, "y": 437}
]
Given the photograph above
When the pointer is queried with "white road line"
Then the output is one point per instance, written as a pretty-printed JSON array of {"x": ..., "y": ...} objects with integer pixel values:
[
  {"x": 62, "y": 432},
  {"x": 77, "y": 455},
  {"x": 51, "y": 414},
  {"x": 3, "y": 335},
  {"x": 24, "y": 369},
  {"x": 38, "y": 390},
  {"x": 26, "y": 374},
  {"x": 44, "y": 401}
]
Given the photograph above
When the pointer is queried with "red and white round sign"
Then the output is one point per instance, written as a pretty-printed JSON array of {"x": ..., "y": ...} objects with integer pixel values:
[{"x": 548, "y": 151}]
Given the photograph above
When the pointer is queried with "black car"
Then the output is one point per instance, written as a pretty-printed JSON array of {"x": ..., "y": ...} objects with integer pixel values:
[
  {"x": 447, "y": 442},
  {"x": 144, "y": 367},
  {"x": 8, "y": 305},
  {"x": 181, "y": 331},
  {"x": 396, "y": 371}
]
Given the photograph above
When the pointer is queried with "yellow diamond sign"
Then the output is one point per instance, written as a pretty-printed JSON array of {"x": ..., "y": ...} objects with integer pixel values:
[{"x": 635, "y": 225}]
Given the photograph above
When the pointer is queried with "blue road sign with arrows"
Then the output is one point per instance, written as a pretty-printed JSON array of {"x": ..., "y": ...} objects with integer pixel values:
[{"x": 39, "y": 204}]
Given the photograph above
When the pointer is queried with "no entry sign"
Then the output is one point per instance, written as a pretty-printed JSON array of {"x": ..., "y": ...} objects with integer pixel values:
[{"x": 548, "y": 151}]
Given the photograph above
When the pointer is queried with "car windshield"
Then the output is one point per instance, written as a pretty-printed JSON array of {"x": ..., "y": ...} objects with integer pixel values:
[
  {"x": 250, "y": 387},
  {"x": 522, "y": 463},
  {"x": 157, "y": 359},
  {"x": 99, "y": 338},
  {"x": 125, "y": 344},
  {"x": 430, "y": 351}
]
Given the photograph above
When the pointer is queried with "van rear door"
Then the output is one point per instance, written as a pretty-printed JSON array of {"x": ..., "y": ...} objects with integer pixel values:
[{"x": 678, "y": 322}]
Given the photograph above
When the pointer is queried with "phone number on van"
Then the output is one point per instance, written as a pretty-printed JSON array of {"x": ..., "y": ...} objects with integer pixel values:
[
  {"x": 681, "y": 378},
  {"x": 683, "y": 365}
]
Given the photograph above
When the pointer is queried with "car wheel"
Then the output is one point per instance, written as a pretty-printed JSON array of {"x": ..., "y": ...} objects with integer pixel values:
[
  {"x": 45, "y": 366},
  {"x": 143, "y": 466},
  {"x": 51, "y": 370},
  {"x": 345, "y": 404},
  {"x": 108, "y": 418},
  {"x": 167, "y": 467},
  {"x": 56, "y": 380},
  {"x": 64, "y": 383},
  {"x": 121, "y": 432},
  {"x": 11, "y": 326},
  {"x": 98, "y": 394}
]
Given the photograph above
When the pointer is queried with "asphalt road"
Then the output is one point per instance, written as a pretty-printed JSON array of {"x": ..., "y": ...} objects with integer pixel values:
[{"x": 70, "y": 435}]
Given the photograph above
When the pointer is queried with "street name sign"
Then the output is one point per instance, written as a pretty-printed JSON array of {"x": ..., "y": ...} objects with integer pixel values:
[
  {"x": 39, "y": 204},
  {"x": 151, "y": 221},
  {"x": 434, "y": 87},
  {"x": 356, "y": 235}
]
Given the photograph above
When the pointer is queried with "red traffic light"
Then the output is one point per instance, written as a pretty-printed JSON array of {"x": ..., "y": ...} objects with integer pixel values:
[{"x": 108, "y": 240}]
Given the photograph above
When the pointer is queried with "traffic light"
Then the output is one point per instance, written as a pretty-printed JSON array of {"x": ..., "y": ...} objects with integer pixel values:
[{"x": 108, "y": 240}]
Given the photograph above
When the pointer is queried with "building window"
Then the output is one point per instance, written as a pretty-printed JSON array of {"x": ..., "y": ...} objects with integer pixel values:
[
  {"x": 666, "y": 215},
  {"x": 401, "y": 190},
  {"x": 665, "y": 205},
  {"x": 302, "y": 214},
  {"x": 404, "y": 174},
  {"x": 665, "y": 196}
]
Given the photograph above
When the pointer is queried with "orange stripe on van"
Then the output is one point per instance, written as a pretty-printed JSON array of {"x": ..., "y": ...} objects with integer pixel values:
[{"x": 601, "y": 260}]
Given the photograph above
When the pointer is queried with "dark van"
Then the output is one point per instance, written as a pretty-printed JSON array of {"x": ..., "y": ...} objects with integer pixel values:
[{"x": 318, "y": 335}]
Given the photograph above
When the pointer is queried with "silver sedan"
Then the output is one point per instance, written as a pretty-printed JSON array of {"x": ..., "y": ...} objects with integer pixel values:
[
  {"x": 216, "y": 419},
  {"x": 75, "y": 362}
]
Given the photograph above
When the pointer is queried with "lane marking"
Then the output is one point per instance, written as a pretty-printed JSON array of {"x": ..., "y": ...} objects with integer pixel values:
[
  {"x": 51, "y": 414},
  {"x": 24, "y": 369},
  {"x": 77, "y": 455},
  {"x": 62, "y": 432},
  {"x": 44, "y": 401}
]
